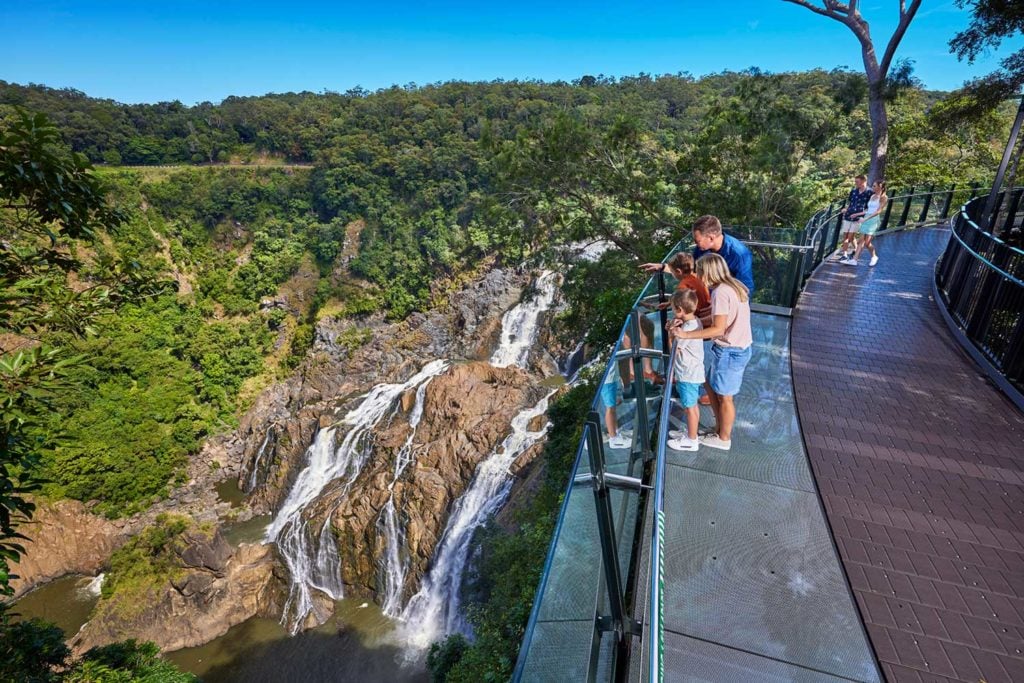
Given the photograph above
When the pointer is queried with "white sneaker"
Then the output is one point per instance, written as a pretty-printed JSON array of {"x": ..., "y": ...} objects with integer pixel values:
[
  {"x": 874, "y": 260},
  {"x": 680, "y": 433},
  {"x": 714, "y": 441},
  {"x": 619, "y": 441},
  {"x": 849, "y": 261},
  {"x": 683, "y": 443}
]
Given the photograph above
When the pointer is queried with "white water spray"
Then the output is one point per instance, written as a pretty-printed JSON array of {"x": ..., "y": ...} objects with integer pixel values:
[
  {"x": 435, "y": 609},
  {"x": 520, "y": 324},
  {"x": 93, "y": 586},
  {"x": 319, "y": 567},
  {"x": 395, "y": 560},
  {"x": 259, "y": 457}
]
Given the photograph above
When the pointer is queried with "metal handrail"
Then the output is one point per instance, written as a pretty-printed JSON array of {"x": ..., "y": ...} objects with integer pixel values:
[
  {"x": 655, "y": 603},
  {"x": 813, "y": 237},
  {"x": 1012, "y": 278}
]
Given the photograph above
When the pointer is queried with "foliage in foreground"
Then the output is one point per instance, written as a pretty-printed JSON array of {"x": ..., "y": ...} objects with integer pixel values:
[{"x": 34, "y": 651}]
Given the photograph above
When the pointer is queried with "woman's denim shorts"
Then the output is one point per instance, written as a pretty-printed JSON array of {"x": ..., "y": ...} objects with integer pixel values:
[{"x": 727, "y": 366}]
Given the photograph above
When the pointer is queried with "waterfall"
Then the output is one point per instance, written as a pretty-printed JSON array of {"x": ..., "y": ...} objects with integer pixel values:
[
  {"x": 92, "y": 586},
  {"x": 395, "y": 561},
  {"x": 520, "y": 324},
  {"x": 435, "y": 609},
  {"x": 318, "y": 567},
  {"x": 259, "y": 457}
]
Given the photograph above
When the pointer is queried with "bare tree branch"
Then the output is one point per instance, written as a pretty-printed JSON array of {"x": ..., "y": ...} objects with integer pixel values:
[{"x": 906, "y": 16}]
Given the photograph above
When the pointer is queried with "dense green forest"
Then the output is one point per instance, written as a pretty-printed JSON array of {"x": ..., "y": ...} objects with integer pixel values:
[{"x": 358, "y": 203}]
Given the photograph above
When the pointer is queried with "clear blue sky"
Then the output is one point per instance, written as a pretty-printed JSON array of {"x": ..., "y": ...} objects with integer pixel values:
[{"x": 148, "y": 51}]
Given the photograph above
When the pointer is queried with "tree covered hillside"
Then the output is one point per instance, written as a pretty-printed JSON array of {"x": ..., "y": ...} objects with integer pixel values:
[{"x": 407, "y": 189}]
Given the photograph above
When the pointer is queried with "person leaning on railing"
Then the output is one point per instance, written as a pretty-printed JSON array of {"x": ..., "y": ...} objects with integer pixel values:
[
  {"x": 731, "y": 348},
  {"x": 708, "y": 237},
  {"x": 856, "y": 206}
]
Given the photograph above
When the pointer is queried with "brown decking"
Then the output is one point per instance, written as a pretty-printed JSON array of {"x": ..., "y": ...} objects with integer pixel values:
[{"x": 920, "y": 462}]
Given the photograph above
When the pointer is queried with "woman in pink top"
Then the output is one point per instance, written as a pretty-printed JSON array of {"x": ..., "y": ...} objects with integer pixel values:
[{"x": 729, "y": 330}]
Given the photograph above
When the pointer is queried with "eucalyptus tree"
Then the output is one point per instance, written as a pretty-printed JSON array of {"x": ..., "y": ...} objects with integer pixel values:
[{"x": 877, "y": 70}]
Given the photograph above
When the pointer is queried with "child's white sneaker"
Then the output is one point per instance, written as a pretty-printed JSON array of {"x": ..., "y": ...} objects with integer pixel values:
[
  {"x": 619, "y": 441},
  {"x": 683, "y": 443},
  {"x": 715, "y": 441}
]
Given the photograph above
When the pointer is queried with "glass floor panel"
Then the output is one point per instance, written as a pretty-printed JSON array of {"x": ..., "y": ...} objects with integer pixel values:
[
  {"x": 753, "y": 587},
  {"x": 751, "y": 566},
  {"x": 696, "y": 661},
  {"x": 560, "y": 651}
]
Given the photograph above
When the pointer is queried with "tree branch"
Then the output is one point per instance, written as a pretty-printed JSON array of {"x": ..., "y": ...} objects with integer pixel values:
[
  {"x": 830, "y": 9},
  {"x": 906, "y": 16}
]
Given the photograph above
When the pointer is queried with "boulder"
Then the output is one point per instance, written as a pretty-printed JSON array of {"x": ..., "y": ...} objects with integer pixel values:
[{"x": 196, "y": 605}]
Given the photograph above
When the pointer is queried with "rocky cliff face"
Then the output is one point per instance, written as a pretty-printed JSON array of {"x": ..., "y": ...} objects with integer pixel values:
[
  {"x": 466, "y": 414},
  {"x": 213, "y": 589},
  {"x": 65, "y": 539},
  {"x": 326, "y": 384}
]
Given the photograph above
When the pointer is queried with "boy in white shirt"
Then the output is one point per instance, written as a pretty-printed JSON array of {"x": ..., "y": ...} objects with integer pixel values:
[{"x": 689, "y": 368}]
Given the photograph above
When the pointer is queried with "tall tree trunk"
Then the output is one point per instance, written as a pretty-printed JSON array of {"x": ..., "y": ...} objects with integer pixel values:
[
  {"x": 848, "y": 14},
  {"x": 879, "y": 130}
]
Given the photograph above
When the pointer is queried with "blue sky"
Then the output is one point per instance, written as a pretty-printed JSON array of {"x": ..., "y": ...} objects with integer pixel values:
[{"x": 148, "y": 51}]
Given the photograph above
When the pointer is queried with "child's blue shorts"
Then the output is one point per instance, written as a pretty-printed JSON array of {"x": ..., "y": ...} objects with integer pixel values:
[
  {"x": 688, "y": 393},
  {"x": 611, "y": 394}
]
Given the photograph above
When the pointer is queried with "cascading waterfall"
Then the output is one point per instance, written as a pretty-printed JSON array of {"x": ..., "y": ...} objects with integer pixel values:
[
  {"x": 520, "y": 324},
  {"x": 435, "y": 609},
  {"x": 259, "y": 457},
  {"x": 395, "y": 561},
  {"x": 319, "y": 567}
]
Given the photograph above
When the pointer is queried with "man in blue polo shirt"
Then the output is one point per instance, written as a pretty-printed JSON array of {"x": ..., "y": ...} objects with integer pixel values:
[{"x": 708, "y": 237}]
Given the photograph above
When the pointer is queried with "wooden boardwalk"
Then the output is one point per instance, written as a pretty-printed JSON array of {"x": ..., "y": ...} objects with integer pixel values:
[{"x": 920, "y": 463}]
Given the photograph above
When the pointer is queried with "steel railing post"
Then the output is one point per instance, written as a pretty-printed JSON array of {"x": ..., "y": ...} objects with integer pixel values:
[
  {"x": 946, "y": 204},
  {"x": 1011, "y": 210},
  {"x": 906, "y": 207},
  {"x": 885, "y": 216},
  {"x": 927, "y": 204},
  {"x": 617, "y": 622},
  {"x": 643, "y": 431},
  {"x": 663, "y": 312}
]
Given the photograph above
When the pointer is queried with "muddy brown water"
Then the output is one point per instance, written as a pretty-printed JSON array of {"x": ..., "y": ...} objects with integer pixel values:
[
  {"x": 354, "y": 645},
  {"x": 65, "y": 602},
  {"x": 357, "y": 644}
]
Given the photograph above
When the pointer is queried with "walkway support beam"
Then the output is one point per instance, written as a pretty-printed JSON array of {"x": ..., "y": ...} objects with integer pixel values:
[{"x": 985, "y": 220}]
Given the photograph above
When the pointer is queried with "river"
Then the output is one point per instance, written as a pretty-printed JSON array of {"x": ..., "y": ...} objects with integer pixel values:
[{"x": 355, "y": 644}]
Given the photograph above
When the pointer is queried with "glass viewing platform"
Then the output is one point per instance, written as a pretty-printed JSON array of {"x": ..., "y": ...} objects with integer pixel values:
[{"x": 704, "y": 565}]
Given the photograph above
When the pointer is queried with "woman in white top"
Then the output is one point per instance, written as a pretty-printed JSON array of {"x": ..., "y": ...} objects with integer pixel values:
[{"x": 869, "y": 226}]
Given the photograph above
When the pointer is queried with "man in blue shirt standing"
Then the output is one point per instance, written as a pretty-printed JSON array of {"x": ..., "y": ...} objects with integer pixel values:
[
  {"x": 708, "y": 237},
  {"x": 856, "y": 207}
]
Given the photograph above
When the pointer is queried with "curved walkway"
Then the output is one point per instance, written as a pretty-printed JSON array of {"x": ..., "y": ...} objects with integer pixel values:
[{"x": 920, "y": 463}]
